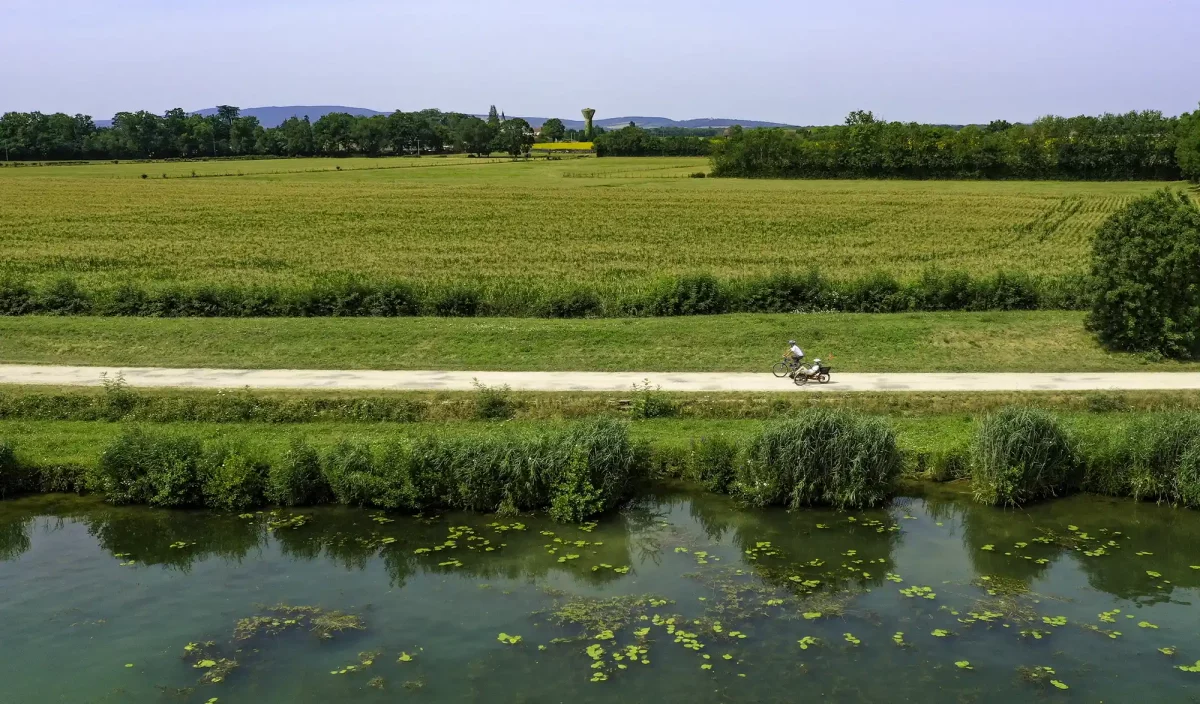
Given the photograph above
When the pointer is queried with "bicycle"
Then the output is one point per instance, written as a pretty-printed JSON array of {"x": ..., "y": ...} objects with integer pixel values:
[{"x": 785, "y": 367}]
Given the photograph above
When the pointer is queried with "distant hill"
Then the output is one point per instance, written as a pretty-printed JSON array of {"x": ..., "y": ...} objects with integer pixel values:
[{"x": 273, "y": 116}]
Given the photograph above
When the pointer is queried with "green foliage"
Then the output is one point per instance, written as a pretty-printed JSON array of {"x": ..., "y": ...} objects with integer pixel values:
[
  {"x": 515, "y": 137},
  {"x": 650, "y": 402},
  {"x": 600, "y": 470},
  {"x": 1146, "y": 265},
  {"x": 699, "y": 294},
  {"x": 13, "y": 477},
  {"x": 713, "y": 463},
  {"x": 297, "y": 480},
  {"x": 155, "y": 468},
  {"x": 234, "y": 479},
  {"x": 1188, "y": 482},
  {"x": 1051, "y": 147},
  {"x": 352, "y": 474},
  {"x": 831, "y": 457},
  {"x": 635, "y": 141},
  {"x": 1021, "y": 455},
  {"x": 553, "y": 130},
  {"x": 1187, "y": 153},
  {"x": 493, "y": 402},
  {"x": 1157, "y": 445}
]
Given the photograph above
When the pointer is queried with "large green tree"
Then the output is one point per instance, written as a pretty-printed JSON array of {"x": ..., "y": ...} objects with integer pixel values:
[
  {"x": 515, "y": 136},
  {"x": 553, "y": 129},
  {"x": 1146, "y": 269},
  {"x": 1187, "y": 149}
]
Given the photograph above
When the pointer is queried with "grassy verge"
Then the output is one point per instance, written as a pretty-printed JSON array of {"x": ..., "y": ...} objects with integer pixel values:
[
  {"x": 1044, "y": 341},
  {"x": 122, "y": 403},
  {"x": 79, "y": 443}
]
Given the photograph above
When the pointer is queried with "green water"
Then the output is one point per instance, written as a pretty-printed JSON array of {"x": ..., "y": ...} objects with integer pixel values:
[{"x": 87, "y": 590}]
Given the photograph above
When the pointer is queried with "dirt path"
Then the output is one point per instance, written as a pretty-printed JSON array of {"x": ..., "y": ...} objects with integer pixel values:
[{"x": 588, "y": 381}]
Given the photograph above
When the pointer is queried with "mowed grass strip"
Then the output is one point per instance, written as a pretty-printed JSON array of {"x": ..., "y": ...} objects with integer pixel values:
[
  {"x": 600, "y": 224},
  {"x": 1038, "y": 341}
]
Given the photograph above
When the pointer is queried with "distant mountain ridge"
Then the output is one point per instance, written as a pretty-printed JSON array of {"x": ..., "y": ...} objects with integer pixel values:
[{"x": 273, "y": 116}]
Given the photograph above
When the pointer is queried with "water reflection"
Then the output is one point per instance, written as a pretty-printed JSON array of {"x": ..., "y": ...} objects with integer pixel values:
[{"x": 675, "y": 575}]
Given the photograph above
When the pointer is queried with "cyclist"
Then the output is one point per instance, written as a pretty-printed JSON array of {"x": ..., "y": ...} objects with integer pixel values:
[{"x": 795, "y": 355}]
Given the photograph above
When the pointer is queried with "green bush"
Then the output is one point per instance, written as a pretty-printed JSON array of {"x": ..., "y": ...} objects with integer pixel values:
[
  {"x": 830, "y": 457},
  {"x": 352, "y": 475},
  {"x": 493, "y": 402},
  {"x": 1157, "y": 445},
  {"x": 235, "y": 479},
  {"x": 650, "y": 402},
  {"x": 713, "y": 463},
  {"x": 1021, "y": 455},
  {"x": 159, "y": 469},
  {"x": 13, "y": 479},
  {"x": 297, "y": 480},
  {"x": 594, "y": 471},
  {"x": 1146, "y": 267}
]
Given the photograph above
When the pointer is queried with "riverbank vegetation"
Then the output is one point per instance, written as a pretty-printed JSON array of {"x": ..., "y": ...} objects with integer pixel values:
[
  {"x": 812, "y": 456},
  {"x": 572, "y": 471},
  {"x": 116, "y": 402}
]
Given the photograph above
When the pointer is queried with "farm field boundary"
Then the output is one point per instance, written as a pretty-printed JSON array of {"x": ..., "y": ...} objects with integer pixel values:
[{"x": 1043, "y": 341}]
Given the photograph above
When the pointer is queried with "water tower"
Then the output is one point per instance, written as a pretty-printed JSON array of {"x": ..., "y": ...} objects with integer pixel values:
[{"x": 588, "y": 113}]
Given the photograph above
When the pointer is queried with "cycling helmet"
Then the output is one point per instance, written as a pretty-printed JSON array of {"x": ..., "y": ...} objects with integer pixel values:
[{"x": 791, "y": 342}]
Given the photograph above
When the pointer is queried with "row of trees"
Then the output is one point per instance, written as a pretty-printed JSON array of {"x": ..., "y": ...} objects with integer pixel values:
[
  {"x": 1135, "y": 145},
  {"x": 176, "y": 134},
  {"x": 635, "y": 141}
]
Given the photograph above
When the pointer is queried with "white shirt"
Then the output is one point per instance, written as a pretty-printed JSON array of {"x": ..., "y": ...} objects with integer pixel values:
[{"x": 797, "y": 351}]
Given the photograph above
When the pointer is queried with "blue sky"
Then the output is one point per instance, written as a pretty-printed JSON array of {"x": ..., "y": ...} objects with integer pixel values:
[{"x": 799, "y": 62}]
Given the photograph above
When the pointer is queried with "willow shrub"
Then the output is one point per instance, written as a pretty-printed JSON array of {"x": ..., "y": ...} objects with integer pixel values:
[
  {"x": 1021, "y": 455},
  {"x": 155, "y": 468},
  {"x": 297, "y": 480},
  {"x": 830, "y": 457}
]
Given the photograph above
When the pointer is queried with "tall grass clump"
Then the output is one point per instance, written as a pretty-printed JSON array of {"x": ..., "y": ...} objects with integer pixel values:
[
  {"x": 1158, "y": 446},
  {"x": 830, "y": 457},
  {"x": 600, "y": 469},
  {"x": 297, "y": 480},
  {"x": 155, "y": 468},
  {"x": 1021, "y": 455},
  {"x": 713, "y": 463}
]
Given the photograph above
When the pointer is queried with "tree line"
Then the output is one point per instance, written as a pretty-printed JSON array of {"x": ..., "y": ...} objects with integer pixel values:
[
  {"x": 635, "y": 141},
  {"x": 1132, "y": 146},
  {"x": 180, "y": 135}
]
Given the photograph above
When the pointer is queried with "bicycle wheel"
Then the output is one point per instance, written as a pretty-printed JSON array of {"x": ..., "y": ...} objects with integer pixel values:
[
  {"x": 780, "y": 370},
  {"x": 823, "y": 378},
  {"x": 801, "y": 378}
]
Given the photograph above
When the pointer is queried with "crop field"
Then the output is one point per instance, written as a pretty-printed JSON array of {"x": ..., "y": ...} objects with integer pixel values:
[
  {"x": 563, "y": 146},
  {"x": 607, "y": 224}
]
